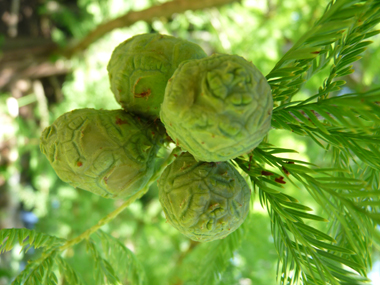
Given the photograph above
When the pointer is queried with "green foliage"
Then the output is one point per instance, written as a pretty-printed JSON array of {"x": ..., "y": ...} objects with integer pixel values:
[
  {"x": 349, "y": 123},
  {"x": 324, "y": 235},
  {"x": 103, "y": 269},
  {"x": 302, "y": 248},
  {"x": 339, "y": 35},
  {"x": 208, "y": 261},
  {"x": 68, "y": 271},
  {"x": 27, "y": 238},
  {"x": 112, "y": 261},
  {"x": 122, "y": 259},
  {"x": 38, "y": 272}
]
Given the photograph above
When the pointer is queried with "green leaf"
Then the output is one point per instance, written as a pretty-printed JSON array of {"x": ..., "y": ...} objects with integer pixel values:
[
  {"x": 317, "y": 233},
  {"x": 297, "y": 206},
  {"x": 122, "y": 259},
  {"x": 103, "y": 269},
  {"x": 71, "y": 275},
  {"x": 305, "y": 215},
  {"x": 339, "y": 259},
  {"x": 35, "y": 239},
  {"x": 327, "y": 246},
  {"x": 211, "y": 259}
]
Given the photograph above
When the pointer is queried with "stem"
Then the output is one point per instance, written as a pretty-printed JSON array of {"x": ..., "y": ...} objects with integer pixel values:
[
  {"x": 86, "y": 234},
  {"x": 105, "y": 220}
]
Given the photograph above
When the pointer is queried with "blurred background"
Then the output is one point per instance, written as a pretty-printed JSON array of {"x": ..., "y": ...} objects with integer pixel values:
[{"x": 53, "y": 58}]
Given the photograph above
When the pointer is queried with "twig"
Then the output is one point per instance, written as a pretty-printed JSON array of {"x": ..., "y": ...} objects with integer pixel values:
[{"x": 115, "y": 213}]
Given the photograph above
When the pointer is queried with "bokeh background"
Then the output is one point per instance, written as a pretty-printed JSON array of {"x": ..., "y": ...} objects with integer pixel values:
[{"x": 49, "y": 65}]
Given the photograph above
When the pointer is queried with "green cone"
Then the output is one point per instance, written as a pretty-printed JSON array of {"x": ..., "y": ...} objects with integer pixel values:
[
  {"x": 218, "y": 107},
  {"x": 140, "y": 68},
  {"x": 109, "y": 153},
  {"x": 204, "y": 201}
]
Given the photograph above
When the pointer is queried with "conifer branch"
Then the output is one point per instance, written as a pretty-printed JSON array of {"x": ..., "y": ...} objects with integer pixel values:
[
  {"x": 310, "y": 254},
  {"x": 302, "y": 249},
  {"x": 338, "y": 36},
  {"x": 214, "y": 256},
  {"x": 39, "y": 271},
  {"x": 122, "y": 260},
  {"x": 68, "y": 272}
]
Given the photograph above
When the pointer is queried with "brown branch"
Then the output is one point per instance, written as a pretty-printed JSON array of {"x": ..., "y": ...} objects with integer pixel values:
[
  {"x": 164, "y": 10},
  {"x": 28, "y": 58}
]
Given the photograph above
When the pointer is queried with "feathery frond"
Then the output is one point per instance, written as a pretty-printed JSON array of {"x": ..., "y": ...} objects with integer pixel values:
[
  {"x": 218, "y": 257},
  {"x": 347, "y": 50},
  {"x": 207, "y": 262},
  {"x": 339, "y": 36},
  {"x": 304, "y": 254},
  {"x": 357, "y": 218},
  {"x": 38, "y": 272},
  {"x": 122, "y": 259},
  {"x": 68, "y": 272},
  {"x": 350, "y": 123},
  {"x": 103, "y": 270},
  {"x": 27, "y": 239}
]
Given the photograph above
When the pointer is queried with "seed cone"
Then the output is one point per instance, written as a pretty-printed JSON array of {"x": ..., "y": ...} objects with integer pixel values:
[
  {"x": 141, "y": 66},
  {"x": 218, "y": 107},
  {"x": 109, "y": 153},
  {"x": 204, "y": 201}
]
